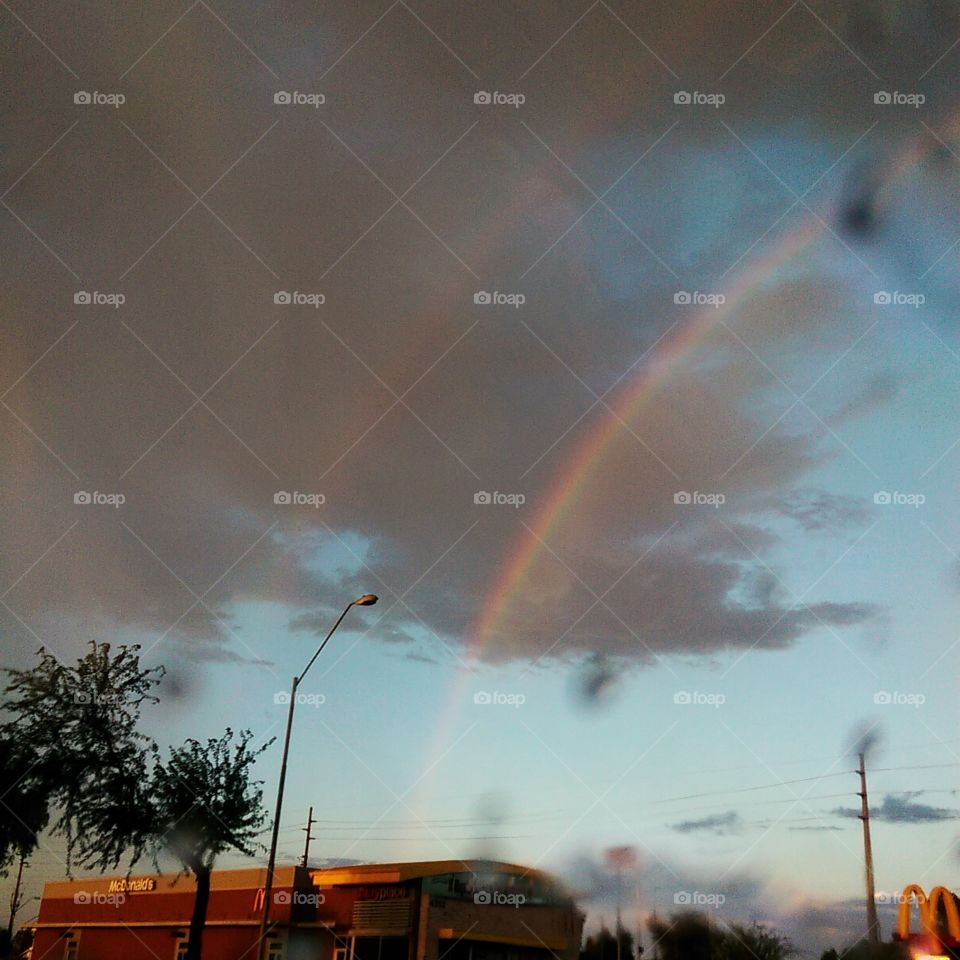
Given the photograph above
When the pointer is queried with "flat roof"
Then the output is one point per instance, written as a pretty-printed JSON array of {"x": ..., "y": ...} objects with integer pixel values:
[
  {"x": 415, "y": 869},
  {"x": 242, "y": 879},
  {"x": 253, "y": 877}
]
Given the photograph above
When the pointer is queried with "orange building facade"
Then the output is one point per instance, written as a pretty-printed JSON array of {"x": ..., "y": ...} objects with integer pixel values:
[{"x": 441, "y": 910}]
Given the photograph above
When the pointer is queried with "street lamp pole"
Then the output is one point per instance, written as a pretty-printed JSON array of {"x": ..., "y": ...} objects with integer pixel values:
[{"x": 367, "y": 600}]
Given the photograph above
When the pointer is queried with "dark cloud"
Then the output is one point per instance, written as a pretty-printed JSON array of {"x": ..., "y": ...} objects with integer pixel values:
[
  {"x": 903, "y": 809},
  {"x": 397, "y": 400},
  {"x": 878, "y": 391},
  {"x": 865, "y": 737},
  {"x": 817, "y": 510},
  {"x": 719, "y": 823}
]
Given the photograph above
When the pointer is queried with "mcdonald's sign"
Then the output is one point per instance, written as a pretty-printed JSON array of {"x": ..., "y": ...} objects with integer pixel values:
[{"x": 939, "y": 916}]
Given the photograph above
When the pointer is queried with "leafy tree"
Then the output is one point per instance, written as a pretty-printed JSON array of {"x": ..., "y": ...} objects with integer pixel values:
[
  {"x": 692, "y": 936},
  {"x": 24, "y": 798},
  {"x": 112, "y": 794},
  {"x": 753, "y": 943},
  {"x": 90, "y": 763},
  {"x": 864, "y": 950},
  {"x": 603, "y": 945},
  {"x": 686, "y": 936},
  {"x": 17, "y": 945},
  {"x": 205, "y": 804}
]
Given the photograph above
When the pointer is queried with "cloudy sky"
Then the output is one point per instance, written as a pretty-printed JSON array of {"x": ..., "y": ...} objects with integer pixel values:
[{"x": 613, "y": 345}]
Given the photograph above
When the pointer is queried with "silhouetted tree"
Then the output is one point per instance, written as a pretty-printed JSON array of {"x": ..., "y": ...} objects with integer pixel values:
[
  {"x": 755, "y": 942},
  {"x": 864, "y": 950},
  {"x": 205, "y": 803},
  {"x": 685, "y": 936},
  {"x": 692, "y": 936},
  {"x": 603, "y": 945},
  {"x": 77, "y": 726},
  {"x": 113, "y": 796},
  {"x": 24, "y": 797}
]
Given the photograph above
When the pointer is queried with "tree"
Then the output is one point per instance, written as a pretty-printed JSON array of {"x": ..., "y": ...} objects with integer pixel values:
[
  {"x": 206, "y": 804},
  {"x": 753, "y": 943},
  {"x": 88, "y": 760},
  {"x": 113, "y": 796},
  {"x": 17, "y": 945},
  {"x": 686, "y": 936},
  {"x": 864, "y": 950},
  {"x": 603, "y": 945},
  {"x": 692, "y": 936},
  {"x": 24, "y": 798}
]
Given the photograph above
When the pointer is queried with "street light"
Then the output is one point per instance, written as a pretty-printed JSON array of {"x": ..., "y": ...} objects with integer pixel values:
[{"x": 367, "y": 600}]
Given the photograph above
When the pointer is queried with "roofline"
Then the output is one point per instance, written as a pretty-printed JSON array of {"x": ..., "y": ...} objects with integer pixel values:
[
  {"x": 415, "y": 869},
  {"x": 254, "y": 877}
]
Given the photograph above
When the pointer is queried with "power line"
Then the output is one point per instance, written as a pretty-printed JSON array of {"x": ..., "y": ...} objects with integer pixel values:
[{"x": 762, "y": 786}]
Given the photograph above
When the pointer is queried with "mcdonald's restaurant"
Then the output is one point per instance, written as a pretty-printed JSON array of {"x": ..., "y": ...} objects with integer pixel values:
[{"x": 441, "y": 910}]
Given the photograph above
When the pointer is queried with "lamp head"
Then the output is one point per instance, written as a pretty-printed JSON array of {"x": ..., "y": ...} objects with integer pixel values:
[{"x": 367, "y": 600}]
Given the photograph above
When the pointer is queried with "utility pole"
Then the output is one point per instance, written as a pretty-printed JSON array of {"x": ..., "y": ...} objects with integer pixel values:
[
  {"x": 873, "y": 929},
  {"x": 619, "y": 923},
  {"x": 306, "y": 846},
  {"x": 618, "y": 858},
  {"x": 16, "y": 899}
]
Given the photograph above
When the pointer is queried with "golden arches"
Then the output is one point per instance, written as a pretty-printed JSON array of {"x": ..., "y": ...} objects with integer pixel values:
[
  {"x": 928, "y": 907},
  {"x": 903, "y": 913},
  {"x": 937, "y": 896}
]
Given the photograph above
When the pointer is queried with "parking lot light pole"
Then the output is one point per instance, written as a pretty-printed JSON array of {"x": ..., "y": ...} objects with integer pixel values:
[{"x": 367, "y": 600}]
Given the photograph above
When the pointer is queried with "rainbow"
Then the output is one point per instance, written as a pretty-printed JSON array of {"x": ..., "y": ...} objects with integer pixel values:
[
  {"x": 669, "y": 354},
  {"x": 667, "y": 358}
]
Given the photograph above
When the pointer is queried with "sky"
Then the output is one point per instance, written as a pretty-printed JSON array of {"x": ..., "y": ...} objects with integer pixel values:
[{"x": 612, "y": 345}]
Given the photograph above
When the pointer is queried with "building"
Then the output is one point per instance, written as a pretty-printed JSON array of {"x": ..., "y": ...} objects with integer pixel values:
[{"x": 449, "y": 909}]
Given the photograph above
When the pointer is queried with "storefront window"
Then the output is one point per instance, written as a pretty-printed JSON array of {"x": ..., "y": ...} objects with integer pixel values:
[{"x": 380, "y": 948}]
